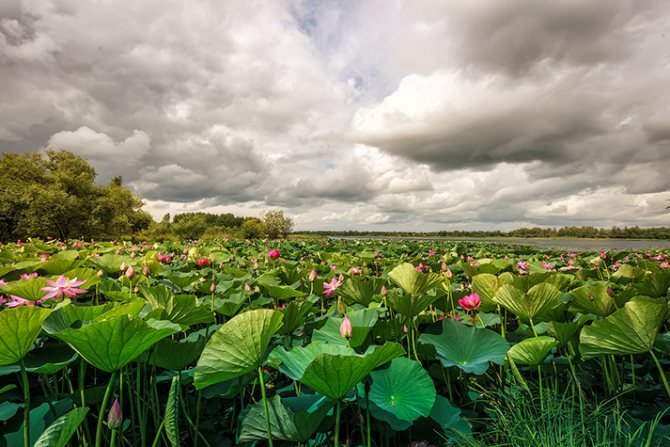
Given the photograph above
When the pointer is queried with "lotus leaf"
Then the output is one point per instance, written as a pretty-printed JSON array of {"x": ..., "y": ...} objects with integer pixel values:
[
  {"x": 238, "y": 347},
  {"x": 469, "y": 348}
]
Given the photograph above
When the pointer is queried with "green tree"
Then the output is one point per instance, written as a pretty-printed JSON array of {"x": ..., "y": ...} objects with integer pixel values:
[
  {"x": 54, "y": 194},
  {"x": 276, "y": 224}
]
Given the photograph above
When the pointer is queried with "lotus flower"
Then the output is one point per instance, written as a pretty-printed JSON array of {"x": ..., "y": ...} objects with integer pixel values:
[
  {"x": 17, "y": 301},
  {"x": 62, "y": 287},
  {"x": 202, "y": 262},
  {"x": 345, "y": 328},
  {"x": 29, "y": 275},
  {"x": 130, "y": 272},
  {"x": 470, "y": 302},
  {"x": 312, "y": 276},
  {"x": 114, "y": 417},
  {"x": 355, "y": 271},
  {"x": 163, "y": 258},
  {"x": 274, "y": 254},
  {"x": 329, "y": 288}
]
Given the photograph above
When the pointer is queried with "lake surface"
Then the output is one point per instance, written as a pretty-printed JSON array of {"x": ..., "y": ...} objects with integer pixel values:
[{"x": 558, "y": 243}]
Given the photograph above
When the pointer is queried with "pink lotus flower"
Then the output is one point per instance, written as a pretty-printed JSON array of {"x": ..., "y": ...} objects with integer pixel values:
[
  {"x": 274, "y": 254},
  {"x": 247, "y": 288},
  {"x": 421, "y": 267},
  {"x": 329, "y": 288},
  {"x": 163, "y": 258},
  {"x": 18, "y": 301},
  {"x": 547, "y": 265},
  {"x": 523, "y": 267},
  {"x": 355, "y": 271},
  {"x": 664, "y": 265},
  {"x": 114, "y": 417},
  {"x": 63, "y": 287},
  {"x": 345, "y": 328},
  {"x": 202, "y": 262},
  {"x": 470, "y": 302},
  {"x": 29, "y": 275}
]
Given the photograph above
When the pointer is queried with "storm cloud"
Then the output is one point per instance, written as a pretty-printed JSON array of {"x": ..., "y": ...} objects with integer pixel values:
[{"x": 389, "y": 115}]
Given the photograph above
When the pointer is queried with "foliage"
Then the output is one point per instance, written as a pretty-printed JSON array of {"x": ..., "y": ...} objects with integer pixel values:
[
  {"x": 277, "y": 225},
  {"x": 217, "y": 343}
]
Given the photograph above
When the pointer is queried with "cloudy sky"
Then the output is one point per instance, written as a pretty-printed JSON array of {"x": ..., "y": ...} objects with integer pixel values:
[{"x": 375, "y": 114}]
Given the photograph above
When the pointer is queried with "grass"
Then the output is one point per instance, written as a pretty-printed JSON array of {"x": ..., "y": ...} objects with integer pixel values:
[{"x": 559, "y": 419}]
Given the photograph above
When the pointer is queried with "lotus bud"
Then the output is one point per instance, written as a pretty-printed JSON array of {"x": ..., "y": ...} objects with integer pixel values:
[
  {"x": 114, "y": 417},
  {"x": 101, "y": 273},
  {"x": 247, "y": 288},
  {"x": 345, "y": 328},
  {"x": 444, "y": 266},
  {"x": 130, "y": 272},
  {"x": 384, "y": 290},
  {"x": 212, "y": 288},
  {"x": 123, "y": 267},
  {"x": 146, "y": 271},
  {"x": 312, "y": 276}
]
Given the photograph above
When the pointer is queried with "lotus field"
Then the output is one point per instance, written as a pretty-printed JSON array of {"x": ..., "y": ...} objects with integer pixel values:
[{"x": 358, "y": 343}]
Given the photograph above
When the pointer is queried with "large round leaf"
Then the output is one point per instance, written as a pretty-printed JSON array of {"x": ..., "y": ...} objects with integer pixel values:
[
  {"x": 362, "y": 321},
  {"x": 541, "y": 303},
  {"x": 19, "y": 327},
  {"x": 112, "y": 343},
  {"x": 532, "y": 351},
  {"x": 60, "y": 431},
  {"x": 469, "y": 348},
  {"x": 414, "y": 283},
  {"x": 238, "y": 347},
  {"x": 292, "y": 419},
  {"x": 592, "y": 299},
  {"x": 631, "y": 330},
  {"x": 294, "y": 362},
  {"x": 486, "y": 285},
  {"x": 334, "y": 375},
  {"x": 404, "y": 389}
]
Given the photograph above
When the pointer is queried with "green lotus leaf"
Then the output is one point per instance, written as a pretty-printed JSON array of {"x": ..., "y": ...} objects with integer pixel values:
[
  {"x": 469, "y": 348},
  {"x": 293, "y": 419},
  {"x": 180, "y": 309},
  {"x": 663, "y": 342},
  {"x": 230, "y": 305},
  {"x": 360, "y": 291},
  {"x": 171, "y": 417},
  {"x": 486, "y": 286},
  {"x": 110, "y": 263},
  {"x": 49, "y": 359},
  {"x": 19, "y": 327},
  {"x": 294, "y": 362},
  {"x": 404, "y": 389},
  {"x": 238, "y": 347},
  {"x": 414, "y": 283},
  {"x": 68, "y": 314},
  {"x": 112, "y": 343},
  {"x": 295, "y": 315},
  {"x": 335, "y": 375},
  {"x": 449, "y": 419},
  {"x": 29, "y": 289},
  {"x": 627, "y": 271},
  {"x": 592, "y": 299},
  {"x": 542, "y": 302},
  {"x": 655, "y": 286},
  {"x": 59, "y": 433},
  {"x": 283, "y": 292},
  {"x": 176, "y": 355},
  {"x": 631, "y": 330},
  {"x": 564, "y": 332},
  {"x": 60, "y": 263},
  {"x": 532, "y": 351},
  {"x": 362, "y": 322}
]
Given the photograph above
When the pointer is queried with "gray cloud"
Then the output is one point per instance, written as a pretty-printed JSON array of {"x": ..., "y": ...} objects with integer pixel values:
[{"x": 354, "y": 114}]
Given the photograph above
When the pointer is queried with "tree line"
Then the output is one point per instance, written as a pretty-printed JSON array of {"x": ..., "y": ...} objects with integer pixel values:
[{"x": 53, "y": 194}]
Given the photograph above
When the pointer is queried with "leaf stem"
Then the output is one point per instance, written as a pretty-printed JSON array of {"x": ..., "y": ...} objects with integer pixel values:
[
  {"x": 338, "y": 410},
  {"x": 661, "y": 372},
  {"x": 265, "y": 406},
  {"x": 103, "y": 409},
  {"x": 26, "y": 405}
]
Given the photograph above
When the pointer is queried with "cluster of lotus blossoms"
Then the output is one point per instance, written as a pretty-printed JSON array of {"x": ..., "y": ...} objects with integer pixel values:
[{"x": 60, "y": 288}]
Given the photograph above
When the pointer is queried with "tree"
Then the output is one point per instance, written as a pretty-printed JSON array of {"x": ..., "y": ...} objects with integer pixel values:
[
  {"x": 54, "y": 194},
  {"x": 276, "y": 224}
]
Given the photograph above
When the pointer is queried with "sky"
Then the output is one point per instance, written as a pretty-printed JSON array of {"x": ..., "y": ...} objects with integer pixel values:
[{"x": 365, "y": 115}]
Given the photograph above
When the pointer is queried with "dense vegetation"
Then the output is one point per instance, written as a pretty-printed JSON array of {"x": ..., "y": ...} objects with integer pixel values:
[
  {"x": 54, "y": 194},
  {"x": 332, "y": 342}
]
